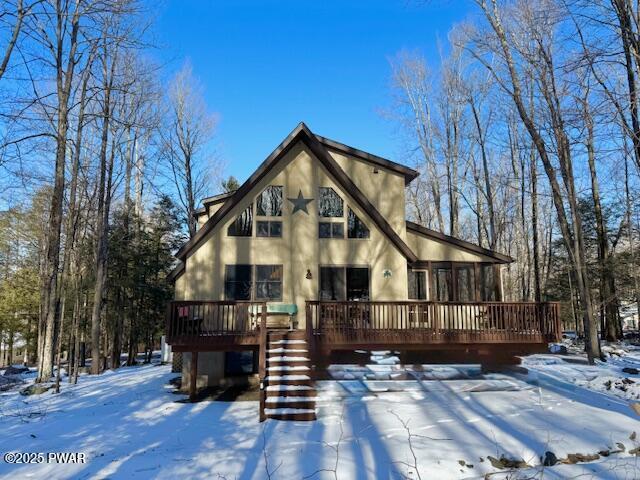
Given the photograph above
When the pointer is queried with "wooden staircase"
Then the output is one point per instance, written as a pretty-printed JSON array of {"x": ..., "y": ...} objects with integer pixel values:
[{"x": 287, "y": 389}]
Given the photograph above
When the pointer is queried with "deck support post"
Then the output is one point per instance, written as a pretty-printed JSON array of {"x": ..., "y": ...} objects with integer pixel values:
[
  {"x": 193, "y": 378},
  {"x": 262, "y": 362}
]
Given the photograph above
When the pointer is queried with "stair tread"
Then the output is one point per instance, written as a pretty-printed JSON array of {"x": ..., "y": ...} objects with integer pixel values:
[
  {"x": 287, "y": 350},
  {"x": 273, "y": 378},
  {"x": 286, "y": 411},
  {"x": 285, "y": 358},
  {"x": 292, "y": 399},
  {"x": 288, "y": 368},
  {"x": 282, "y": 388}
]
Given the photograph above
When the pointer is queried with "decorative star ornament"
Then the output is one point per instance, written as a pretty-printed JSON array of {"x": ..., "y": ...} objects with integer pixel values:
[{"x": 300, "y": 203}]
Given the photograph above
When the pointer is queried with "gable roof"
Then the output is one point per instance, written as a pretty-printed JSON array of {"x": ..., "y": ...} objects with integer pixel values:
[
  {"x": 470, "y": 247},
  {"x": 303, "y": 134},
  {"x": 408, "y": 173}
]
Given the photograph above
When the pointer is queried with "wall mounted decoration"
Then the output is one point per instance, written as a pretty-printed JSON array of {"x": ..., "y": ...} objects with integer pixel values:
[{"x": 300, "y": 203}]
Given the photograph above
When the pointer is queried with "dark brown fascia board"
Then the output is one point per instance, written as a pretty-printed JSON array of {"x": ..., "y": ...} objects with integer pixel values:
[
  {"x": 239, "y": 194},
  {"x": 217, "y": 198},
  {"x": 471, "y": 247},
  {"x": 408, "y": 173},
  {"x": 176, "y": 272},
  {"x": 301, "y": 132}
]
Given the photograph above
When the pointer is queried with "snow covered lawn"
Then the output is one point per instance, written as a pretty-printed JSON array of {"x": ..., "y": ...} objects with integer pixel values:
[{"x": 129, "y": 426}]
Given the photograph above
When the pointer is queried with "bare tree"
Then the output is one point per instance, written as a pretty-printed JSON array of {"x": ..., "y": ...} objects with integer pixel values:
[{"x": 185, "y": 137}]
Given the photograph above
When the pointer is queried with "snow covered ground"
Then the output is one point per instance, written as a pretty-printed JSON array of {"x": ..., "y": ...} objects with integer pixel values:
[{"x": 433, "y": 422}]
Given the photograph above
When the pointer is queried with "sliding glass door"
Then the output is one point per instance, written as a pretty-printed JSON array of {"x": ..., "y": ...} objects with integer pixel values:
[{"x": 344, "y": 283}]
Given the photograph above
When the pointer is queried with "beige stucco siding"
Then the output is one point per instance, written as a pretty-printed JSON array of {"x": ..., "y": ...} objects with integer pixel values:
[
  {"x": 431, "y": 249},
  {"x": 385, "y": 189},
  {"x": 300, "y": 249}
]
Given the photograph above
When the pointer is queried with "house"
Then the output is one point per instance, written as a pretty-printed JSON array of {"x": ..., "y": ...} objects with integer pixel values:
[{"x": 312, "y": 258}]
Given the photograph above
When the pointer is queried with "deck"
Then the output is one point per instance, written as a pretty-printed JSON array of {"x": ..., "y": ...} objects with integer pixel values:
[
  {"x": 483, "y": 327},
  {"x": 210, "y": 326}
]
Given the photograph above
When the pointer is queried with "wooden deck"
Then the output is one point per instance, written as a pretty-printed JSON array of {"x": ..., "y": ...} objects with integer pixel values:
[
  {"x": 482, "y": 327},
  {"x": 362, "y": 325},
  {"x": 211, "y": 326}
]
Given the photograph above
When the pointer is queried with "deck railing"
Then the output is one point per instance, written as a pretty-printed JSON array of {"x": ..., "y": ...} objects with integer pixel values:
[
  {"x": 202, "y": 323},
  {"x": 420, "y": 322}
]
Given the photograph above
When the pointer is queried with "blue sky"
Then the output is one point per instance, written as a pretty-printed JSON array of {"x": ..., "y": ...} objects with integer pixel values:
[{"x": 266, "y": 65}]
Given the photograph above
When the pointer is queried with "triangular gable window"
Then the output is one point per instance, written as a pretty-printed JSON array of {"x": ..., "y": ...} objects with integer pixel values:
[
  {"x": 242, "y": 226},
  {"x": 356, "y": 227}
]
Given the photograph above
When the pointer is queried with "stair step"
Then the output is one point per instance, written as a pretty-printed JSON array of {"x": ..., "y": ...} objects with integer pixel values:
[
  {"x": 291, "y": 414},
  {"x": 287, "y": 368},
  {"x": 280, "y": 378},
  {"x": 291, "y": 399},
  {"x": 288, "y": 388},
  {"x": 286, "y": 335},
  {"x": 299, "y": 403},
  {"x": 287, "y": 358},
  {"x": 287, "y": 350},
  {"x": 288, "y": 342},
  {"x": 277, "y": 391}
]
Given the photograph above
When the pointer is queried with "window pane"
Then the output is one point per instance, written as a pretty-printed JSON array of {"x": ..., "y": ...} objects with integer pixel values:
[
  {"x": 330, "y": 204},
  {"x": 237, "y": 285},
  {"x": 275, "y": 229},
  {"x": 466, "y": 283},
  {"x": 487, "y": 283},
  {"x": 238, "y": 273},
  {"x": 337, "y": 230},
  {"x": 357, "y": 283},
  {"x": 332, "y": 284},
  {"x": 262, "y": 229},
  {"x": 268, "y": 282},
  {"x": 269, "y": 202},
  {"x": 324, "y": 230},
  {"x": 442, "y": 284},
  {"x": 417, "y": 285},
  {"x": 265, "y": 273},
  {"x": 355, "y": 227},
  {"x": 242, "y": 225}
]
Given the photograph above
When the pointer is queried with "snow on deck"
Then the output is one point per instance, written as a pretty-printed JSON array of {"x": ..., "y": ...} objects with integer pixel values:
[{"x": 129, "y": 425}]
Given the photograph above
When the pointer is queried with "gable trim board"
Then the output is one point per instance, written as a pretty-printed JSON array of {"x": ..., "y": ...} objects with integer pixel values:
[
  {"x": 468, "y": 246},
  {"x": 303, "y": 134}
]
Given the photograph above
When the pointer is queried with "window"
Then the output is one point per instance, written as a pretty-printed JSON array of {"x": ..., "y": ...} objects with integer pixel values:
[
  {"x": 242, "y": 226},
  {"x": 330, "y": 204},
  {"x": 487, "y": 283},
  {"x": 331, "y": 230},
  {"x": 239, "y": 363},
  {"x": 442, "y": 284},
  {"x": 268, "y": 282},
  {"x": 268, "y": 228},
  {"x": 417, "y": 284},
  {"x": 269, "y": 202},
  {"x": 237, "y": 282},
  {"x": 355, "y": 227},
  {"x": 466, "y": 283},
  {"x": 344, "y": 283},
  {"x": 332, "y": 283}
]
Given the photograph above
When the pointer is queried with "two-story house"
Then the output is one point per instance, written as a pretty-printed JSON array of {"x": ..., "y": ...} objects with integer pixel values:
[{"x": 313, "y": 255}]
